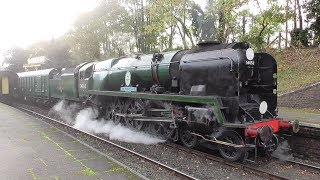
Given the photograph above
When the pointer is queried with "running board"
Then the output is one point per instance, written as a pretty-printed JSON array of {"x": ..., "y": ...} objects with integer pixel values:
[
  {"x": 140, "y": 117},
  {"x": 223, "y": 143},
  {"x": 158, "y": 110}
]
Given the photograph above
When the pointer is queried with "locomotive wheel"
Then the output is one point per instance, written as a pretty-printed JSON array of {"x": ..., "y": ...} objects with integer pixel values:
[
  {"x": 139, "y": 125},
  {"x": 230, "y": 153},
  {"x": 189, "y": 140},
  {"x": 117, "y": 107},
  {"x": 161, "y": 129},
  {"x": 139, "y": 107},
  {"x": 154, "y": 128},
  {"x": 166, "y": 131},
  {"x": 108, "y": 114},
  {"x": 134, "y": 107},
  {"x": 129, "y": 109}
]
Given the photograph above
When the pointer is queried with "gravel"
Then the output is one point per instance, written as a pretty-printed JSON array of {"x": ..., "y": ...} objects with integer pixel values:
[{"x": 304, "y": 98}]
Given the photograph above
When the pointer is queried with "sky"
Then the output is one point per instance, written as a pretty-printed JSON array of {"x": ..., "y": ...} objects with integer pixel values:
[{"x": 24, "y": 22}]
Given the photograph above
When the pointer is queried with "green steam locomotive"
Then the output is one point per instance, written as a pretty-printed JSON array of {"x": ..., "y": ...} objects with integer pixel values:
[{"x": 219, "y": 94}]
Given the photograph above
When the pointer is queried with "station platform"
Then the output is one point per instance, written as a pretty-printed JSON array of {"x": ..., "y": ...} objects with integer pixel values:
[
  {"x": 32, "y": 149},
  {"x": 306, "y": 117}
]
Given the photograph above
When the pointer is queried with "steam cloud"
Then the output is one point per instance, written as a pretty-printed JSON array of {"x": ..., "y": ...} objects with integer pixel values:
[
  {"x": 86, "y": 120},
  {"x": 65, "y": 111},
  {"x": 283, "y": 152}
]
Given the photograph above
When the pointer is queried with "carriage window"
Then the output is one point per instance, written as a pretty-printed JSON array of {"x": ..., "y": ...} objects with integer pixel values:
[
  {"x": 33, "y": 83},
  {"x": 55, "y": 75},
  {"x": 88, "y": 72},
  {"x": 81, "y": 75},
  {"x": 44, "y": 84},
  {"x": 36, "y": 84}
]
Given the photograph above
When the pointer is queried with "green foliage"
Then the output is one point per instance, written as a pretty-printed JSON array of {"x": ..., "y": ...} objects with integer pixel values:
[
  {"x": 265, "y": 24},
  {"x": 170, "y": 17},
  {"x": 300, "y": 37},
  {"x": 101, "y": 33},
  {"x": 225, "y": 14},
  {"x": 83, "y": 39},
  {"x": 313, "y": 13},
  {"x": 16, "y": 57},
  {"x": 56, "y": 51}
]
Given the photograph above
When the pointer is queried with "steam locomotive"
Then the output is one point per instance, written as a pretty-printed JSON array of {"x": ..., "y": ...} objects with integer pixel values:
[{"x": 219, "y": 94}]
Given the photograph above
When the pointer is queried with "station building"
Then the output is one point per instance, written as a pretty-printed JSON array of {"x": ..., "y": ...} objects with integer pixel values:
[{"x": 35, "y": 63}]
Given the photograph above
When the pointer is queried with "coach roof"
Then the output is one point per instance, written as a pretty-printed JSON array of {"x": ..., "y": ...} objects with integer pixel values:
[{"x": 45, "y": 72}]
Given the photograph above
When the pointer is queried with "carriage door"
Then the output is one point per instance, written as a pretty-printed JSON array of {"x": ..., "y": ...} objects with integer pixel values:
[{"x": 5, "y": 85}]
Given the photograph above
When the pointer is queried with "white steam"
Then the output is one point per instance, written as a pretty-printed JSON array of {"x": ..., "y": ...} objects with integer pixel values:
[
  {"x": 283, "y": 152},
  {"x": 86, "y": 120},
  {"x": 65, "y": 111}
]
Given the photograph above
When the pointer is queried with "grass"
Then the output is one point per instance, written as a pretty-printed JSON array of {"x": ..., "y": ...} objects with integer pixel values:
[
  {"x": 88, "y": 172},
  {"x": 303, "y": 115},
  {"x": 297, "y": 68}
]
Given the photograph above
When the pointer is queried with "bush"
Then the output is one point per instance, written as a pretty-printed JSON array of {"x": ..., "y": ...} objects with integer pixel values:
[{"x": 300, "y": 38}]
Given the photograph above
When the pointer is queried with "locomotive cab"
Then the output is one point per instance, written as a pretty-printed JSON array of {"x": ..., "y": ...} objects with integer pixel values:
[{"x": 84, "y": 76}]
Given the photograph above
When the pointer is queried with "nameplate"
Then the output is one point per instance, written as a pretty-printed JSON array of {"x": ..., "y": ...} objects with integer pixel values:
[{"x": 128, "y": 89}]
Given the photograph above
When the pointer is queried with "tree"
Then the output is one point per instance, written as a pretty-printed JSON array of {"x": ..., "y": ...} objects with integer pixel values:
[
  {"x": 101, "y": 33},
  {"x": 176, "y": 15},
  {"x": 58, "y": 54},
  {"x": 313, "y": 13},
  {"x": 225, "y": 14},
  {"x": 287, "y": 17},
  {"x": 56, "y": 51},
  {"x": 16, "y": 57},
  {"x": 299, "y": 37},
  {"x": 113, "y": 28},
  {"x": 119, "y": 27},
  {"x": 83, "y": 40},
  {"x": 300, "y": 14},
  {"x": 265, "y": 24}
]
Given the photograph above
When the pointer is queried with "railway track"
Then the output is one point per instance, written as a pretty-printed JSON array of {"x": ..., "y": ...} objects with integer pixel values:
[
  {"x": 182, "y": 175},
  {"x": 176, "y": 172},
  {"x": 309, "y": 130},
  {"x": 244, "y": 167},
  {"x": 301, "y": 164}
]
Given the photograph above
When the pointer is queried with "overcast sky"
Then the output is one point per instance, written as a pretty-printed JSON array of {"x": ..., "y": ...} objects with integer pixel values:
[{"x": 24, "y": 22}]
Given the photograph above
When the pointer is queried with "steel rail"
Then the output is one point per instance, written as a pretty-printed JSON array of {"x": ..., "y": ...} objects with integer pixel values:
[
  {"x": 175, "y": 171},
  {"x": 294, "y": 162},
  {"x": 248, "y": 168}
]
